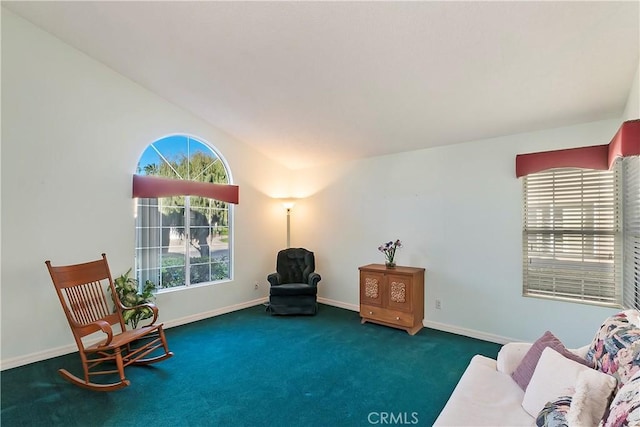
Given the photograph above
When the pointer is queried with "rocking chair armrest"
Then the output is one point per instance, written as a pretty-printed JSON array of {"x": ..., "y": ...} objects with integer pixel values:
[
  {"x": 274, "y": 279},
  {"x": 314, "y": 278},
  {"x": 98, "y": 325},
  {"x": 151, "y": 306}
]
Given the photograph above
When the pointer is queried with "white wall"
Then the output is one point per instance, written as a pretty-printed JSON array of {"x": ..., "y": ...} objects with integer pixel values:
[
  {"x": 632, "y": 110},
  {"x": 457, "y": 210},
  {"x": 72, "y": 134}
]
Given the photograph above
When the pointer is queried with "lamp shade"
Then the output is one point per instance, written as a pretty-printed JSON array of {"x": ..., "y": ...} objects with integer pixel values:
[{"x": 288, "y": 203}]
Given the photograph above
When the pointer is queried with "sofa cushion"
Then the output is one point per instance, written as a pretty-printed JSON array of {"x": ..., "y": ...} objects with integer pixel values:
[
  {"x": 524, "y": 371},
  {"x": 625, "y": 408},
  {"x": 293, "y": 289},
  {"x": 484, "y": 397},
  {"x": 557, "y": 376},
  {"x": 591, "y": 399},
  {"x": 554, "y": 414},
  {"x": 615, "y": 349}
]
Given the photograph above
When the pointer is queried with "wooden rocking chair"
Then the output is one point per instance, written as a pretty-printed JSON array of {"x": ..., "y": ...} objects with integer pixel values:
[{"x": 80, "y": 289}]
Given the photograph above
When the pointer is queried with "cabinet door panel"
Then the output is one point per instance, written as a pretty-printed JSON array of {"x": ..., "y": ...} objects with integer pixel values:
[
  {"x": 399, "y": 292},
  {"x": 371, "y": 288}
]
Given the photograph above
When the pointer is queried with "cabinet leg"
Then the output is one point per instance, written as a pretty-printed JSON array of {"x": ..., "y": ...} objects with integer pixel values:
[{"x": 414, "y": 330}]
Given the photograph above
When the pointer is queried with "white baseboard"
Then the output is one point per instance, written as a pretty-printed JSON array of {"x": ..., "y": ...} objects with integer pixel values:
[
  {"x": 14, "y": 362},
  {"x": 339, "y": 304},
  {"x": 433, "y": 325},
  {"x": 212, "y": 313},
  {"x": 472, "y": 333}
]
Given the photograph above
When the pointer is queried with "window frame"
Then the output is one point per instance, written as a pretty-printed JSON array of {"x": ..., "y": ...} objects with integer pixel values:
[
  {"x": 631, "y": 237},
  {"x": 186, "y": 225}
]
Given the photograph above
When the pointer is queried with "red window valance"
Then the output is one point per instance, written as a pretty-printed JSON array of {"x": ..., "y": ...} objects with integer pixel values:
[
  {"x": 153, "y": 187},
  {"x": 626, "y": 142}
]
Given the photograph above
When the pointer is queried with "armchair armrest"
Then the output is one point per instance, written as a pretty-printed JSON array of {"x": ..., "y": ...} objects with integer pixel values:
[
  {"x": 314, "y": 278},
  {"x": 274, "y": 279},
  {"x": 510, "y": 356}
]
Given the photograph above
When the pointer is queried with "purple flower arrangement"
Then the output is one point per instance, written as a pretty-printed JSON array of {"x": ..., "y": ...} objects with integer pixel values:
[{"x": 389, "y": 251}]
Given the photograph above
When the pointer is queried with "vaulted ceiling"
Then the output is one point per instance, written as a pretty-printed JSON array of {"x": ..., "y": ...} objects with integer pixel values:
[{"x": 314, "y": 82}]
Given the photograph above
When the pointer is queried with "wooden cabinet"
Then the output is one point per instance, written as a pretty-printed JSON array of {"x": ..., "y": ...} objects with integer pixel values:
[{"x": 392, "y": 296}]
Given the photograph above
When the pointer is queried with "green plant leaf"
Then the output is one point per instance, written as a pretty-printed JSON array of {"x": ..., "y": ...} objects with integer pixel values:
[{"x": 127, "y": 291}]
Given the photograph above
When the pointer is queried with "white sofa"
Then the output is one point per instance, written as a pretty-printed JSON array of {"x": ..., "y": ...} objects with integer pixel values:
[{"x": 487, "y": 394}]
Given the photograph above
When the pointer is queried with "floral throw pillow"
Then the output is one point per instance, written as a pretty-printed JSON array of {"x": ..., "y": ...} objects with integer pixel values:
[
  {"x": 625, "y": 408},
  {"x": 554, "y": 414},
  {"x": 615, "y": 350}
]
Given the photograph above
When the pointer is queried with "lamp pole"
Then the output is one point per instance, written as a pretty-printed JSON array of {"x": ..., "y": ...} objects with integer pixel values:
[
  {"x": 288, "y": 227},
  {"x": 288, "y": 204}
]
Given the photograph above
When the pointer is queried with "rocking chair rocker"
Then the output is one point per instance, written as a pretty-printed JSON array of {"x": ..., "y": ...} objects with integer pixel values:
[{"x": 80, "y": 289}]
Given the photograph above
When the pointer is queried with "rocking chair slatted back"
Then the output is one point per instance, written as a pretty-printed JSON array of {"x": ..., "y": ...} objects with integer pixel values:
[
  {"x": 87, "y": 303},
  {"x": 80, "y": 289}
]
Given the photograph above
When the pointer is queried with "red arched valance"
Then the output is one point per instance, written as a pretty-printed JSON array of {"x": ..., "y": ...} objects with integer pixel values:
[
  {"x": 153, "y": 187},
  {"x": 626, "y": 142}
]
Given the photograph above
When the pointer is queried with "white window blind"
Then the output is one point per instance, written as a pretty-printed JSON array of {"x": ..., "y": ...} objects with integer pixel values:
[
  {"x": 631, "y": 250},
  {"x": 572, "y": 243}
]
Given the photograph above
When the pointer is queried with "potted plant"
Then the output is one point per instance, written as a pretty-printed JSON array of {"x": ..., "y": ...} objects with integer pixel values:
[{"x": 129, "y": 295}]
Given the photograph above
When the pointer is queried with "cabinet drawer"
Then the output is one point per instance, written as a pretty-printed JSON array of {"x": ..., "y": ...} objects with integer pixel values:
[{"x": 386, "y": 315}]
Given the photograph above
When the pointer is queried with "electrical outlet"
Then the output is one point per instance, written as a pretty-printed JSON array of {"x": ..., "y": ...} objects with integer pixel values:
[
  {"x": 438, "y": 304},
  {"x": 256, "y": 286}
]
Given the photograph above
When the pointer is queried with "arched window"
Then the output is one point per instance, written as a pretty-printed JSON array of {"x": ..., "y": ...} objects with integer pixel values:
[{"x": 182, "y": 240}]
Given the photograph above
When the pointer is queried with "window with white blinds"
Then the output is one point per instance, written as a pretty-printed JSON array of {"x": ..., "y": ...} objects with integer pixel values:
[
  {"x": 572, "y": 235},
  {"x": 631, "y": 249}
]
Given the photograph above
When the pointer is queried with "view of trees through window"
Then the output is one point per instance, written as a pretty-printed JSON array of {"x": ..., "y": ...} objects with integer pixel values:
[{"x": 182, "y": 240}]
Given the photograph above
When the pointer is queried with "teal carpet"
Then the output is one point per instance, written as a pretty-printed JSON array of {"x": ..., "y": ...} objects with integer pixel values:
[{"x": 249, "y": 369}]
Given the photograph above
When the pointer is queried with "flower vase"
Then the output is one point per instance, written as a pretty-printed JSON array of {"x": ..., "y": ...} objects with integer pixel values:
[{"x": 390, "y": 264}]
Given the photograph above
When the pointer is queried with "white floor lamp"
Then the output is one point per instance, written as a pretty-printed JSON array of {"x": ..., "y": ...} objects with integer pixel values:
[{"x": 288, "y": 205}]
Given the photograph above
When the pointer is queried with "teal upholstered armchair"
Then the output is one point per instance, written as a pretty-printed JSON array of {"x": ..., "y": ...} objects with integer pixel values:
[{"x": 294, "y": 285}]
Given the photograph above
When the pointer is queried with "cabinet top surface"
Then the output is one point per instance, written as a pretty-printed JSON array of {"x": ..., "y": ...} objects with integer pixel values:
[{"x": 397, "y": 269}]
